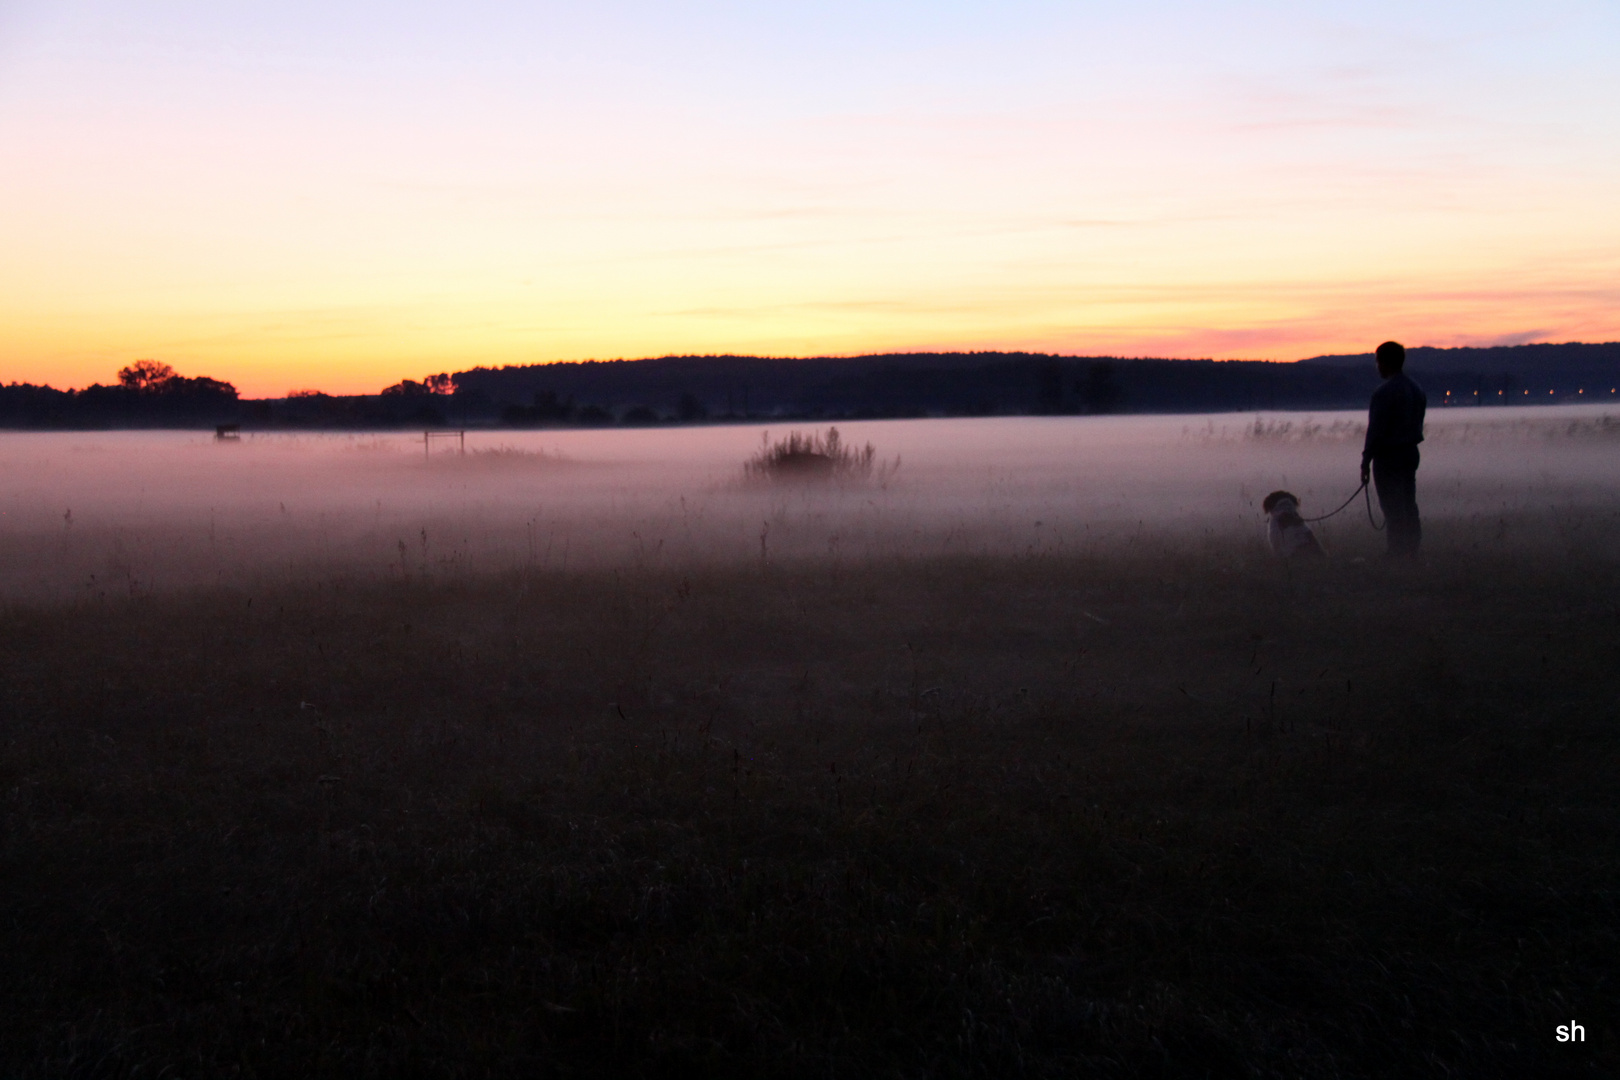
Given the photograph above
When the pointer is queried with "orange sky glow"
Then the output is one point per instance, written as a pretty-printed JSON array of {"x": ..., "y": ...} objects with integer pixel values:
[{"x": 287, "y": 198}]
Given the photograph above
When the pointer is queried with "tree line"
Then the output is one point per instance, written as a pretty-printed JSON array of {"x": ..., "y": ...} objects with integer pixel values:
[{"x": 708, "y": 389}]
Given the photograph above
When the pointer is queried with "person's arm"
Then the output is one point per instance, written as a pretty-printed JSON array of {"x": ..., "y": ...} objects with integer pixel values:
[{"x": 1377, "y": 421}]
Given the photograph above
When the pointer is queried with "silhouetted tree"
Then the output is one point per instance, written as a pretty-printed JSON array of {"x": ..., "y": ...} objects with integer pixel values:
[
  {"x": 152, "y": 379},
  {"x": 199, "y": 387},
  {"x": 1099, "y": 391},
  {"x": 440, "y": 384},
  {"x": 546, "y": 407},
  {"x": 690, "y": 408},
  {"x": 1049, "y": 388},
  {"x": 146, "y": 376},
  {"x": 149, "y": 392},
  {"x": 640, "y": 414}
]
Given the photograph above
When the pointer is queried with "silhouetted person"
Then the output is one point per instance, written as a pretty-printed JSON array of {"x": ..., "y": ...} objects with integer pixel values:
[{"x": 1394, "y": 429}]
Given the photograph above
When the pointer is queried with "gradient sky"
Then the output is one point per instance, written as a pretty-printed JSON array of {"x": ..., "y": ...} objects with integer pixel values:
[{"x": 341, "y": 194}]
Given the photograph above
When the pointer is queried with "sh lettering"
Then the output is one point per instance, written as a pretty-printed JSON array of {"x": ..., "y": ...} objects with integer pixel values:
[{"x": 1571, "y": 1033}]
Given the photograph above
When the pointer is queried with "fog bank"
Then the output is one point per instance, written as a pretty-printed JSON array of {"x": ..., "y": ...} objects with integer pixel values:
[{"x": 89, "y": 514}]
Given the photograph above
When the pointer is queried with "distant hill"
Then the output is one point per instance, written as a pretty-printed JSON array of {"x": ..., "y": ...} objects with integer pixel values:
[
  {"x": 695, "y": 389},
  {"x": 1504, "y": 374},
  {"x": 895, "y": 385},
  {"x": 995, "y": 383},
  {"x": 1497, "y": 360}
]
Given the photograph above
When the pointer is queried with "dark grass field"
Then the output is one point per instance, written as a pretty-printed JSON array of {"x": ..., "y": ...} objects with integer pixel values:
[{"x": 1151, "y": 814}]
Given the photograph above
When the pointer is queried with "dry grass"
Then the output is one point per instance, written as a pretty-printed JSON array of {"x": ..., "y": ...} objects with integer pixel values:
[
  {"x": 483, "y": 458},
  {"x": 1452, "y": 426},
  {"x": 1185, "y": 814}
]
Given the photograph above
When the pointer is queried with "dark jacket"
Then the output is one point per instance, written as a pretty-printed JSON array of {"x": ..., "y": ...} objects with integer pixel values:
[{"x": 1395, "y": 417}]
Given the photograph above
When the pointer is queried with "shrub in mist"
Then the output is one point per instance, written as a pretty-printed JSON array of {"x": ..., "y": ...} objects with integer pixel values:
[{"x": 812, "y": 457}]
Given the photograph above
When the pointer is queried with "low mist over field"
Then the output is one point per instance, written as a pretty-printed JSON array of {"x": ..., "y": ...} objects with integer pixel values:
[{"x": 133, "y": 512}]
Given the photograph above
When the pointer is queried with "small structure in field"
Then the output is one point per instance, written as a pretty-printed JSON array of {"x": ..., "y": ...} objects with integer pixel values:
[
  {"x": 812, "y": 457},
  {"x": 227, "y": 432},
  {"x": 429, "y": 436}
]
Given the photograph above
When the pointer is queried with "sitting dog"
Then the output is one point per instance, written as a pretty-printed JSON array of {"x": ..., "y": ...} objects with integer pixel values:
[{"x": 1288, "y": 533}]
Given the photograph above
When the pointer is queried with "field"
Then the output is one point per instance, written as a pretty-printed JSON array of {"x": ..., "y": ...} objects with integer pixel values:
[{"x": 871, "y": 782}]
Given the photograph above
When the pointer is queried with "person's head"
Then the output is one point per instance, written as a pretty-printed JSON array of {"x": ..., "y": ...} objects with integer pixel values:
[{"x": 1391, "y": 358}]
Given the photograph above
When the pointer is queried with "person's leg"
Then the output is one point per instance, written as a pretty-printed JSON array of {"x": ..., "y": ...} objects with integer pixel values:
[
  {"x": 1411, "y": 504},
  {"x": 1384, "y": 485},
  {"x": 1411, "y": 526},
  {"x": 1395, "y": 480},
  {"x": 1413, "y": 537}
]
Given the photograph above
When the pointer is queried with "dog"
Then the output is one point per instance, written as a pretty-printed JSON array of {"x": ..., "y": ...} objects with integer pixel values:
[{"x": 1289, "y": 535}]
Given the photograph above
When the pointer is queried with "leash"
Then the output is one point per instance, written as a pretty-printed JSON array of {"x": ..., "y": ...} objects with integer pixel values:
[{"x": 1363, "y": 489}]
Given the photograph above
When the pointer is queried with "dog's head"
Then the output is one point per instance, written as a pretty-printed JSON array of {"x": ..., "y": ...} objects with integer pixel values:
[{"x": 1280, "y": 500}]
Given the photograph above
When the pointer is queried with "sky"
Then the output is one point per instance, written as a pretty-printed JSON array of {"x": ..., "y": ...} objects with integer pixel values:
[{"x": 338, "y": 195}]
